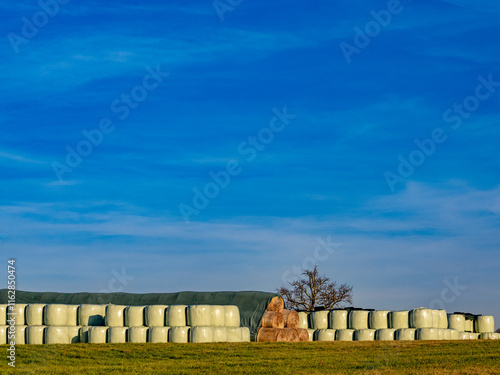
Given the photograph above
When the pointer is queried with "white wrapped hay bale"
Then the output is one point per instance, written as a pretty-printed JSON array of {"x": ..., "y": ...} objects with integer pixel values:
[
  {"x": 453, "y": 334},
  {"x": 378, "y": 319},
  {"x": 200, "y": 334},
  {"x": 57, "y": 335},
  {"x": 199, "y": 315},
  {"x": 18, "y": 311},
  {"x": 19, "y": 334},
  {"x": 178, "y": 334},
  {"x": 469, "y": 325},
  {"x": 463, "y": 335},
  {"x": 484, "y": 324},
  {"x": 34, "y": 314},
  {"x": 218, "y": 316},
  {"x": 158, "y": 334},
  {"x": 137, "y": 334},
  {"x": 456, "y": 321},
  {"x": 358, "y": 319},
  {"x": 344, "y": 335},
  {"x": 405, "y": 334},
  {"x": 422, "y": 318},
  {"x": 220, "y": 334},
  {"x": 435, "y": 318},
  {"x": 385, "y": 334},
  {"x": 74, "y": 334},
  {"x": 3, "y": 334},
  {"x": 311, "y": 331},
  {"x": 72, "y": 315},
  {"x": 117, "y": 335},
  {"x": 232, "y": 316},
  {"x": 489, "y": 336},
  {"x": 84, "y": 334},
  {"x": 319, "y": 319},
  {"x": 34, "y": 335},
  {"x": 399, "y": 319},
  {"x": 176, "y": 316},
  {"x": 115, "y": 315},
  {"x": 364, "y": 335},
  {"x": 325, "y": 335},
  {"x": 245, "y": 334},
  {"x": 134, "y": 316},
  {"x": 56, "y": 315},
  {"x": 155, "y": 315},
  {"x": 91, "y": 315},
  {"x": 3, "y": 315},
  {"x": 303, "y": 320},
  {"x": 98, "y": 335},
  {"x": 443, "y": 319},
  {"x": 338, "y": 319},
  {"x": 474, "y": 336},
  {"x": 427, "y": 334},
  {"x": 234, "y": 334}
]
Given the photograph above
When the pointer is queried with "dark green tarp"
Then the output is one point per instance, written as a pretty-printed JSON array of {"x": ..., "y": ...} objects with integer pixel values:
[{"x": 252, "y": 305}]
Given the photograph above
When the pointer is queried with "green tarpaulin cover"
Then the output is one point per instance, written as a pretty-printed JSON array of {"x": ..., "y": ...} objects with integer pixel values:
[{"x": 252, "y": 305}]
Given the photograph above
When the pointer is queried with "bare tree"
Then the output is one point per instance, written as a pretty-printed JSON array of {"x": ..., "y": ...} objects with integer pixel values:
[{"x": 315, "y": 290}]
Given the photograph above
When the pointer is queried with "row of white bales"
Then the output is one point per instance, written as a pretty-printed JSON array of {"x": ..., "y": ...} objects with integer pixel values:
[
  {"x": 417, "y": 324},
  {"x": 87, "y": 323}
]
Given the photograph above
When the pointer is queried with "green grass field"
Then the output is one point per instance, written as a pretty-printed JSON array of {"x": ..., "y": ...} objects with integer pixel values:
[{"x": 418, "y": 357}]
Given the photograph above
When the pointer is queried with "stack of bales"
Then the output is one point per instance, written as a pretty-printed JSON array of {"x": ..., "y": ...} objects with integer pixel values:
[
  {"x": 279, "y": 324},
  {"x": 418, "y": 324},
  {"x": 99, "y": 323}
]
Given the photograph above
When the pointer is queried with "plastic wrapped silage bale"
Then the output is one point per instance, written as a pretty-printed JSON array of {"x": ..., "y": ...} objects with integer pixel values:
[
  {"x": 158, "y": 334},
  {"x": 338, "y": 319},
  {"x": 399, "y": 319},
  {"x": 199, "y": 315},
  {"x": 201, "y": 334},
  {"x": 220, "y": 334},
  {"x": 364, "y": 335},
  {"x": 137, "y": 334},
  {"x": 56, "y": 315},
  {"x": 453, "y": 334},
  {"x": 84, "y": 334},
  {"x": 456, "y": 321},
  {"x": 233, "y": 334},
  {"x": 303, "y": 320},
  {"x": 57, "y": 335},
  {"x": 3, "y": 315},
  {"x": 74, "y": 334},
  {"x": 134, "y": 316},
  {"x": 115, "y": 316},
  {"x": 91, "y": 315},
  {"x": 319, "y": 319},
  {"x": 405, "y": 334},
  {"x": 435, "y": 318},
  {"x": 484, "y": 324},
  {"x": 98, "y": 335},
  {"x": 311, "y": 331},
  {"x": 463, "y": 335},
  {"x": 232, "y": 316},
  {"x": 245, "y": 334},
  {"x": 344, "y": 335},
  {"x": 378, "y": 319},
  {"x": 34, "y": 335},
  {"x": 385, "y": 334},
  {"x": 489, "y": 336},
  {"x": 18, "y": 311},
  {"x": 218, "y": 316},
  {"x": 469, "y": 325},
  {"x": 358, "y": 319},
  {"x": 325, "y": 335},
  {"x": 427, "y": 334},
  {"x": 178, "y": 334},
  {"x": 72, "y": 315},
  {"x": 155, "y": 315},
  {"x": 443, "y": 319},
  {"x": 34, "y": 314},
  {"x": 3, "y": 334},
  {"x": 474, "y": 336},
  {"x": 19, "y": 334},
  {"x": 422, "y": 318},
  {"x": 117, "y": 335},
  {"x": 175, "y": 316}
]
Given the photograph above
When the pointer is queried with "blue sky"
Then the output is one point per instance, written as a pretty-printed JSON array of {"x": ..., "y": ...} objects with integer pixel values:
[{"x": 373, "y": 125}]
